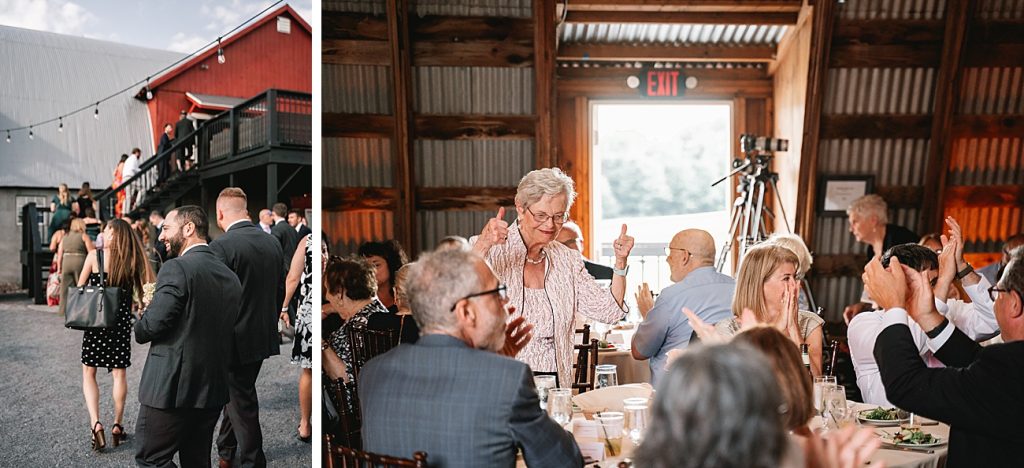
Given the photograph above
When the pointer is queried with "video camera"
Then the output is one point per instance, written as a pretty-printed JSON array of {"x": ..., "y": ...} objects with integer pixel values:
[{"x": 750, "y": 143}]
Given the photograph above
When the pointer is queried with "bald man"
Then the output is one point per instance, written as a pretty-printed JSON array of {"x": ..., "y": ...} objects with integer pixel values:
[
  {"x": 698, "y": 287},
  {"x": 572, "y": 237}
]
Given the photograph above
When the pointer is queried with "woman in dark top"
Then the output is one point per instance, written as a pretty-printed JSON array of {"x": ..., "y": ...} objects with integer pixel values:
[
  {"x": 351, "y": 289},
  {"x": 401, "y": 322},
  {"x": 84, "y": 201},
  {"x": 386, "y": 257},
  {"x": 60, "y": 206}
]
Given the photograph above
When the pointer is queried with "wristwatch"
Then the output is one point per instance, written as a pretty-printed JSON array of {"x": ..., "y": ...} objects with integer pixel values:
[
  {"x": 963, "y": 273},
  {"x": 621, "y": 272}
]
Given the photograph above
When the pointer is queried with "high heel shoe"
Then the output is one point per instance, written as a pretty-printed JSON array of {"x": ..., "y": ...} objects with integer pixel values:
[
  {"x": 307, "y": 439},
  {"x": 118, "y": 437},
  {"x": 99, "y": 441}
]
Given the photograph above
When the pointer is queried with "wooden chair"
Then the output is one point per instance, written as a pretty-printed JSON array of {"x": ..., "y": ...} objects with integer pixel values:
[
  {"x": 336, "y": 456},
  {"x": 585, "y": 369},
  {"x": 584, "y": 334},
  {"x": 345, "y": 399},
  {"x": 368, "y": 344}
]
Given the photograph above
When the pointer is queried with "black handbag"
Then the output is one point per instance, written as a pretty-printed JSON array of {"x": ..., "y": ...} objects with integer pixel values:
[{"x": 92, "y": 306}]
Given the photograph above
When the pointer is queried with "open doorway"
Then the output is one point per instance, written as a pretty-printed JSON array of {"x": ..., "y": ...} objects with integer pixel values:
[{"x": 653, "y": 165}]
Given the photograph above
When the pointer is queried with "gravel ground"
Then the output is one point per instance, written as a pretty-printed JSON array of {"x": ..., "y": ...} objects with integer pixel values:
[{"x": 43, "y": 420}]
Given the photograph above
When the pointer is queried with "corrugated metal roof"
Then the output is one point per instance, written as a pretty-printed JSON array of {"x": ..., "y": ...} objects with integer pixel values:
[
  {"x": 992, "y": 91},
  {"x": 892, "y": 9},
  {"x": 473, "y": 90},
  {"x": 500, "y": 8},
  {"x": 46, "y": 75},
  {"x": 1001, "y": 9},
  {"x": 376, "y": 7},
  {"x": 987, "y": 161},
  {"x": 348, "y": 229},
  {"x": 678, "y": 34}
]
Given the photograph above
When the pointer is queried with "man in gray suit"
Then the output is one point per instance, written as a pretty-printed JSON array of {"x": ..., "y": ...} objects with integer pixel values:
[
  {"x": 190, "y": 323},
  {"x": 451, "y": 394}
]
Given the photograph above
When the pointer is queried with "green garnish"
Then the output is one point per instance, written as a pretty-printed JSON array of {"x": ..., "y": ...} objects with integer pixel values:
[
  {"x": 881, "y": 414},
  {"x": 913, "y": 437}
]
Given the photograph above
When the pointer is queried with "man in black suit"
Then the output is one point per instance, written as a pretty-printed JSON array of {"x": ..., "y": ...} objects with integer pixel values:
[
  {"x": 979, "y": 394},
  {"x": 184, "y": 129},
  {"x": 164, "y": 167},
  {"x": 284, "y": 233},
  {"x": 156, "y": 219},
  {"x": 256, "y": 258},
  {"x": 451, "y": 394},
  {"x": 189, "y": 324},
  {"x": 297, "y": 220}
]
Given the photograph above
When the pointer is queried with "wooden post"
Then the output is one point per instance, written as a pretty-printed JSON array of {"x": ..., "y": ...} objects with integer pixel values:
[
  {"x": 271, "y": 185},
  {"x": 544, "y": 80},
  {"x": 401, "y": 73},
  {"x": 817, "y": 79},
  {"x": 947, "y": 94}
]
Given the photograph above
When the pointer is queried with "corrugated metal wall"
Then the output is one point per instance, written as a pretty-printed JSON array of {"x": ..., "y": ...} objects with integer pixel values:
[
  {"x": 891, "y": 9},
  {"x": 719, "y": 34}
]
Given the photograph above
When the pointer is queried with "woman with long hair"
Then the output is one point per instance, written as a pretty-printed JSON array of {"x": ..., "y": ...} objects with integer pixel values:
[
  {"x": 118, "y": 180},
  {"x": 71, "y": 255},
  {"x": 768, "y": 284},
  {"x": 85, "y": 200},
  {"x": 125, "y": 266},
  {"x": 789, "y": 370},
  {"x": 60, "y": 207}
]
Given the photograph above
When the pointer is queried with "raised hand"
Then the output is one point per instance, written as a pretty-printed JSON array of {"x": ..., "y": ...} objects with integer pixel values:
[
  {"x": 888, "y": 287},
  {"x": 495, "y": 232},
  {"x": 644, "y": 299},
  {"x": 787, "y": 321},
  {"x": 623, "y": 245},
  {"x": 956, "y": 237},
  {"x": 517, "y": 334},
  {"x": 920, "y": 301}
]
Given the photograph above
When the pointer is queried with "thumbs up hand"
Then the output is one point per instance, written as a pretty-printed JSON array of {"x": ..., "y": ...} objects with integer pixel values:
[
  {"x": 495, "y": 231},
  {"x": 623, "y": 245}
]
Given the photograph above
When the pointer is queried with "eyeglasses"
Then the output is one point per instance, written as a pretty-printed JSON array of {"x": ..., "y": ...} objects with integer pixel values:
[
  {"x": 501, "y": 291},
  {"x": 544, "y": 217},
  {"x": 994, "y": 289},
  {"x": 669, "y": 249}
]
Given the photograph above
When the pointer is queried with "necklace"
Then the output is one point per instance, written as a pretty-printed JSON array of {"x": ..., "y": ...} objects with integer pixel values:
[{"x": 538, "y": 261}]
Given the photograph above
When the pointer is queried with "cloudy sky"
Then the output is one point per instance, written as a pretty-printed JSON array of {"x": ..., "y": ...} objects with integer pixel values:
[{"x": 178, "y": 25}]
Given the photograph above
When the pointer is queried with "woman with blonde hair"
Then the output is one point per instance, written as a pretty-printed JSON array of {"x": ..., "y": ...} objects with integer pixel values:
[
  {"x": 60, "y": 207},
  {"x": 768, "y": 285},
  {"x": 125, "y": 266},
  {"x": 71, "y": 256}
]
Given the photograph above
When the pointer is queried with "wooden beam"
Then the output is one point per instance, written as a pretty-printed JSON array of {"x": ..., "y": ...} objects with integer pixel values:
[
  {"x": 987, "y": 32},
  {"x": 947, "y": 95},
  {"x": 887, "y": 32},
  {"x": 681, "y": 17},
  {"x": 401, "y": 71},
  {"x": 686, "y": 5},
  {"x": 355, "y": 52},
  {"x": 666, "y": 53},
  {"x": 475, "y": 127},
  {"x": 473, "y": 54},
  {"x": 359, "y": 198},
  {"x": 544, "y": 45},
  {"x": 823, "y": 22},
  {"x": 706, "y": 89},
  {"x": 358, "y": 26},
  {"x": 875, "y": 56},
  {"x": 984, "y": 196},
  {"x": 876, "y": 126},
  {"x": 702, "y": 74},
  {"x": 454, "y": 29},
  {"x": 973, "y": 126},
  {"x": 831, "y": 266},
  {"x": 464, "y": 198},
  {"x": 357, "y": 125},
  {"x": 994, "y": 55}
]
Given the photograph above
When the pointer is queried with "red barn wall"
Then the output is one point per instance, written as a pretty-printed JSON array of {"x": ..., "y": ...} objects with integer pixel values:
[{"x": 261, "y": 59}]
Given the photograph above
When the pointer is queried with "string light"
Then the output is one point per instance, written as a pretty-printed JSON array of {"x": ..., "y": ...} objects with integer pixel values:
[
  {"x": 220, "y": 53},
  {"x": 148, "y": 92},
  {"x": 31, "y": 136}
]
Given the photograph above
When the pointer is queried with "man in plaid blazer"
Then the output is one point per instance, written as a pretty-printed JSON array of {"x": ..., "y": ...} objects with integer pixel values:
[{"x": 453, "y": 394}]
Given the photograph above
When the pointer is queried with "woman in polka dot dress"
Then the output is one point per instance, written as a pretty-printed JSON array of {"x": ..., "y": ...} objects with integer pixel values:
[{"x": 125, "y": 265}]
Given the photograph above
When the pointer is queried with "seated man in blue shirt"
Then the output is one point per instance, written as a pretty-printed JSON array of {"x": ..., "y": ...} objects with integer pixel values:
[{"x": 708, "y": 293}]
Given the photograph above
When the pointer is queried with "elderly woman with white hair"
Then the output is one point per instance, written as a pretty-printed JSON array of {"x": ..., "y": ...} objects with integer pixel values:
[
  {"x": 869, "y": 224},
  {"x": 547, "y": 281}
]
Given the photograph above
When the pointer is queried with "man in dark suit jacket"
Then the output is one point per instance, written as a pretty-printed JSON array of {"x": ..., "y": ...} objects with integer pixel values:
[
  {"x": 256, "y": 258},
  {"x": 979, "y": 394},
  {"x": 184, "y": 129},
  {"x": 450, "y": 394},
  {"x": 284, "y": 232},
  {"x": 164, "y": 167},
  {"x": 189, "y": 324},
  {"x": 297, "y": 220}
]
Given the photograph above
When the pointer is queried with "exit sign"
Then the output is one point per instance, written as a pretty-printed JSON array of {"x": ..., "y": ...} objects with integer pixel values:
[{"x": 661, "y": 83}]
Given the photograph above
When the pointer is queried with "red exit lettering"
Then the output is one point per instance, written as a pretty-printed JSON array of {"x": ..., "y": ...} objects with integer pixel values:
[{"x": 663, "y": 83}]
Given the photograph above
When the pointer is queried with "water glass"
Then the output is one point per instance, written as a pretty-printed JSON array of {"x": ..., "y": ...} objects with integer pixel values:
[
  {"x": 820, "y": 383},
  {"x": 560, "y": 405},
  {"x": 605, "y": 376},
  {"x": 636, "y": 418},
  {"x": 544, "y": 383},
  {"x": 834, "y": 406},
  {"x": 611, "y": 431}
]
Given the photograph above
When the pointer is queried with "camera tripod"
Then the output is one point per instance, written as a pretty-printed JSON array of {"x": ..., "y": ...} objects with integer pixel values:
[{"x": 747, "y": 221}]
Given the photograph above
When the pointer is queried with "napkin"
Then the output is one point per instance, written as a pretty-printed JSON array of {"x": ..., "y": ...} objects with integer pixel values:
[{"x": 610, "y": 398}]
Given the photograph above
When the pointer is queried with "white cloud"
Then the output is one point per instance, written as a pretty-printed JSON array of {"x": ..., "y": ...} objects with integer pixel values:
[
  {"x": 58, "y": 16},
  {"x": 186, "y": 43}
]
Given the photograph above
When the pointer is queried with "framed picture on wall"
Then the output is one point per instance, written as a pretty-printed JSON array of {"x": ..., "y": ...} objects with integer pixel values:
[{"x": 837, "y": 192}]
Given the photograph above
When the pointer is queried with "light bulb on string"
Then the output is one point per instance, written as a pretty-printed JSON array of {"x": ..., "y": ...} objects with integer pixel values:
[
  {"x": 220, "y": 53},
  {"x": 8, "y": 136},
  {"x": 96, "y": 115},
  {"x": 60, "y": 128},
  {"x": 31, "y": 136},
  {"x": 149, "y": 92}
]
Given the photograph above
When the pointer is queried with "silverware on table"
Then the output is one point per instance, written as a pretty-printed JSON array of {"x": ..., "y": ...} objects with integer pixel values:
[{"x": 888, "y": 446}]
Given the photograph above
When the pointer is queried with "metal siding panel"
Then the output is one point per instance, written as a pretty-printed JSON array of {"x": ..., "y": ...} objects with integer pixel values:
[
  {"x": 348, "y": 229},
  {"x": 46, "y": 75},
  {"x": 473, "y": 163},
  {"x": 473, "y": 90},
  {"x": 435, "y": 225},
  {"x": 892, "y": 9},
  {"x": 672, "y": 34},
  {"x": 992, "y": 91},
  {"x": 358, "y": 89},
  {"x": 500, "y": 8},
  {"x": 376, "y": 7},
  {"x": 357, "y": 162}
]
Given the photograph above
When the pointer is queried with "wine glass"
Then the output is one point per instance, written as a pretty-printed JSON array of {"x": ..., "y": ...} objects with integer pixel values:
[{"x": 544, "y": 384}]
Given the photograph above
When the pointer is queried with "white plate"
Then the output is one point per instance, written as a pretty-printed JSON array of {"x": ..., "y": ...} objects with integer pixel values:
[
  {"x": 937, "y": 443},
  {"x": 878, "y": 422}
]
